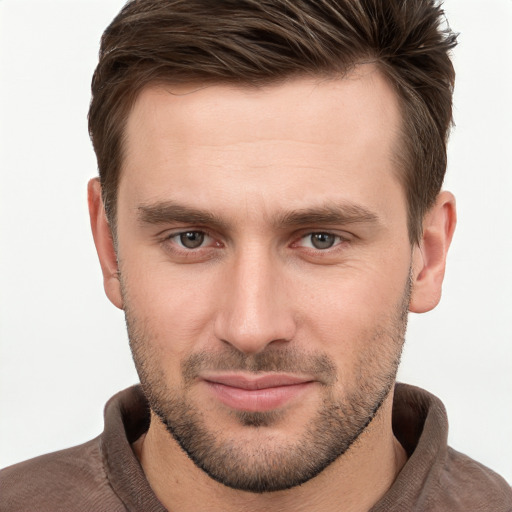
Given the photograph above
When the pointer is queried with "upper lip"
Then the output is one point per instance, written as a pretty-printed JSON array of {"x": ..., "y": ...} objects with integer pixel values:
[{"x": 250, "y": 382}]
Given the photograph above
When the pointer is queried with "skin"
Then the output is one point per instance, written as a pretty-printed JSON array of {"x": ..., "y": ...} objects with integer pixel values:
[{"x": 254, "y": 159}]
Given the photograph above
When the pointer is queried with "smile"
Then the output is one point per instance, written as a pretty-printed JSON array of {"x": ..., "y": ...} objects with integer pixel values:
[{"x": 256, "y": 394}]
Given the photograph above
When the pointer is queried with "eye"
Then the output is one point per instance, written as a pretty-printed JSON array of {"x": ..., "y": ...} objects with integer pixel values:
[
  {"x": 320, "y": 241},
  {"x": 190, "y": 239}
]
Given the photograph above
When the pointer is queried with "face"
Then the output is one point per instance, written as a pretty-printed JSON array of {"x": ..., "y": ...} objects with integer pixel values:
[{"x": 264, "y": 269}]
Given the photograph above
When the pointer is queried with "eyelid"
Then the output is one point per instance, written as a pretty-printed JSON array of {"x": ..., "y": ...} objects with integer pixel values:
[
  {"x": 340, "y": 236},
  {"x": 306, "y": 241},
  {"x": 205, "y": 242},
  {"x": 172, "y": 236}
]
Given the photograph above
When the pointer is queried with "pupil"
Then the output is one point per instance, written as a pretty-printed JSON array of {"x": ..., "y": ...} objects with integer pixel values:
[
  {"x": 192, "y": 239},
  {"x": 322, "y": 240}
]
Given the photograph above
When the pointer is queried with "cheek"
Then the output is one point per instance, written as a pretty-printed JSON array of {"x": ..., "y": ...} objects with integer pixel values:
[
  {"x": 354, "y": 307},
  {"x": 175, "y": 309}
]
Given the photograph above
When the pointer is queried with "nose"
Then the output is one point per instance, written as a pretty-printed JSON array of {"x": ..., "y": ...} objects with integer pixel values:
[{"x": 254, "y": 309}]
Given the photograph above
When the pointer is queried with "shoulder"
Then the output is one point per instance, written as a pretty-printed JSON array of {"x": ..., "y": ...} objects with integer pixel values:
[
  {"x": 465, "y": 484},
  {"x": 437, "y": 478},
  {"x": 72, "y": 479}
]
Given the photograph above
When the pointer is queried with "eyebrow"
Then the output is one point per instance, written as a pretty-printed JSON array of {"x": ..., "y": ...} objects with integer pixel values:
[
  {"x": 169, "y": 211},
  {"x": 327, "y": 214}
]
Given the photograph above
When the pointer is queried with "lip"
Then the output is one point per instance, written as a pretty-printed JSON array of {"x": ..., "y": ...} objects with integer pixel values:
[{"x": 256, "y": 393}]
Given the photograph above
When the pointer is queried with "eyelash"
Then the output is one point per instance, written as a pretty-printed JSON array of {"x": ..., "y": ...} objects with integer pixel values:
[
  {"x": 174, "y": 238},
  {"x": 338, "y": 239}
]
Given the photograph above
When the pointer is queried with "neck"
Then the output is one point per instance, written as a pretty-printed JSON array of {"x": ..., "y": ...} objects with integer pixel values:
[{"x": 354, "y": 482}]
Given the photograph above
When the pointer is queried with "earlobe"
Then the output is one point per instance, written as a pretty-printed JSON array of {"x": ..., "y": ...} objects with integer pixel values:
[
  {"x": 104, "y": 243},
  {"x": 429, "y": 256}
]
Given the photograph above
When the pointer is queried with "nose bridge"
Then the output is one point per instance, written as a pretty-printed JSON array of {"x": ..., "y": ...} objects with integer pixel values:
[{"x": 254, "y": 311}]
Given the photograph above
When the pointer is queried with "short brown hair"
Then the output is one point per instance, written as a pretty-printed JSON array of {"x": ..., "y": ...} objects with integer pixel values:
[{"x": 259, "y": 42}]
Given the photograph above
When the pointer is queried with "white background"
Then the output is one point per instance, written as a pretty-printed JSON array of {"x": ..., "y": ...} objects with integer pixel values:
[{"x": 63, "y": 347}]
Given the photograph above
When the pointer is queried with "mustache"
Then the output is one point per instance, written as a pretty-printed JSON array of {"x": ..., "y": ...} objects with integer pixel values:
[{"x": 278, "y": 360}]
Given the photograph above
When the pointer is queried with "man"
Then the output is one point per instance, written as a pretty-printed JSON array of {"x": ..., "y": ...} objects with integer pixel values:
[{"x": 268, "y": 211}]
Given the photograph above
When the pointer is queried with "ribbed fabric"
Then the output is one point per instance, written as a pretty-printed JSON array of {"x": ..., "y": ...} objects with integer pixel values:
[{"x": 104, "y": 474}]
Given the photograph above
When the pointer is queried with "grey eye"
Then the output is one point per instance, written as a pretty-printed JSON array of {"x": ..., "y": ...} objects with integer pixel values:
[
  {"x": 322, "y": 240},
  {"x": 192, "y": 239}
]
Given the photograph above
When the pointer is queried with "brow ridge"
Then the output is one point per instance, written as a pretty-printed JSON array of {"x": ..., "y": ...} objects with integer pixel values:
[
  {"x": 169, "y": 211},
  {"x": 328, "y": 214}
]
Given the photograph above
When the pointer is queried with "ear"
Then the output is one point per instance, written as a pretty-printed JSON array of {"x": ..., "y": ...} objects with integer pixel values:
[
  {"x": 429, "y": 256},
  {"x": 104, "y": 243}
]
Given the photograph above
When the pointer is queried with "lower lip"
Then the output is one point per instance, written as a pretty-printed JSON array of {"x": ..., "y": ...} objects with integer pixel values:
[{"x": 257, "y": 400}]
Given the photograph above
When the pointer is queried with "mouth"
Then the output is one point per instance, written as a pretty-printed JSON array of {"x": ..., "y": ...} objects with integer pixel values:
[{"x": 257, "y": 393}]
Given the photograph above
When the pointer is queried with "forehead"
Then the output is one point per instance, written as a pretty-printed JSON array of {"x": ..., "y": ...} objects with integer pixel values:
[
  {"x": 319, "y": 103},
  {"x": 317, "y": 138}
]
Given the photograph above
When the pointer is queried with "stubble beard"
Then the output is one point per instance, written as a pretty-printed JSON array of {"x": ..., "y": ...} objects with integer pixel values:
[{"x": 264, "y": 465}]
